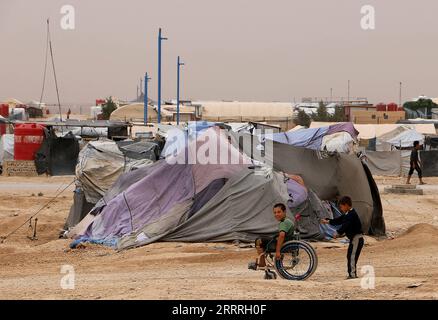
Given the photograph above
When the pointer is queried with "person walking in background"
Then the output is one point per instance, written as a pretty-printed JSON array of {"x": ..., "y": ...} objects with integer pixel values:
[{"x": 415, "y": 164}]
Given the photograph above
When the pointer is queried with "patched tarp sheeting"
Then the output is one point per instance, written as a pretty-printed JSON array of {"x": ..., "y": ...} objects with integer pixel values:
[
  {"x": 429, "y": 160},
  {"x": 57, "y": 155},
  {"x": 100, "y": 164},
  {"x": 384, "y": 163},
  {"x": 239, "y": 211},
  {"x": 330, "y": 175},
  {"x": 6, "y": 147},
  {"x": 78, "y": 210}
]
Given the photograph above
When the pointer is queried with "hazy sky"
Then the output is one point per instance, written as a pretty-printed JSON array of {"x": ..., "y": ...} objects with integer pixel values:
[{"x": 247, "y": 50}]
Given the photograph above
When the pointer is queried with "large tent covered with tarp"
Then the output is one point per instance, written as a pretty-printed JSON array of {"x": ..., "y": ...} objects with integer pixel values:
[
  {"x": 329, "y": 174},
  {"x": 208, "y": 201},
  {"x": 340, "y": 137}
]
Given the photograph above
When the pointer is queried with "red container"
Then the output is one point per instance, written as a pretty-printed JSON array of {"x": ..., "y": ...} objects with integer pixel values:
[
  {"x": 392, "y": 107},
  {"x": 381, "y": 107},
  {"x": 28, "y": 138},
  {"x": 4, "y": 110}
]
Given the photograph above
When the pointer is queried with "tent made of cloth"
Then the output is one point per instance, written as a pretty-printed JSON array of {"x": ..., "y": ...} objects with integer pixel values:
[
  {"x": 369, "y": 131},
  {"x": 329, "y": 138},
  {"x": 241, "y": 210},
  {"x": 402, "y": 136},
  {"x": 330, "y": 175},
  {"x": 99, "y": 165}
]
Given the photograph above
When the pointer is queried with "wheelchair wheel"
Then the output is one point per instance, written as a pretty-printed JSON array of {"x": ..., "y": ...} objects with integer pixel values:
[{"x": 299, "y": 261}]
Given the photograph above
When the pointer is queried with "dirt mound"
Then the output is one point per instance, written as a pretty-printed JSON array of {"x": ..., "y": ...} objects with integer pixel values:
[
  {"x": 421, "y": 230},
  {"x": 419, "y": 236}
]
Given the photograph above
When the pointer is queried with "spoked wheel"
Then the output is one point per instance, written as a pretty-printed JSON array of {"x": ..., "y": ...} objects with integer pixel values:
[{"x": 299, "y": 261}]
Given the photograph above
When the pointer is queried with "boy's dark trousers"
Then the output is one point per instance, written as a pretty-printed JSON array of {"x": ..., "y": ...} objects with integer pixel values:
[{"x": 354, "y": 249}]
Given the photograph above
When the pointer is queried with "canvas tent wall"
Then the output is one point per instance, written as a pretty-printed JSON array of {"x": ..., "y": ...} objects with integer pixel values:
[
  {"x": 158, "y": 205},
  {"x": 57, "y": 155},
  {"x": 99, "y": 165},
  {"x": 330, "y": 175}
]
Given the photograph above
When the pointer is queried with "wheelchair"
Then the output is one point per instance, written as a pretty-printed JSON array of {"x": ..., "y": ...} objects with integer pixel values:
[{"x": 298, "y": 260}]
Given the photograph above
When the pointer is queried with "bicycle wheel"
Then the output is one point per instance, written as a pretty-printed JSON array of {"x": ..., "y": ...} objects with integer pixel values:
[{"x": 299, "y": 261}]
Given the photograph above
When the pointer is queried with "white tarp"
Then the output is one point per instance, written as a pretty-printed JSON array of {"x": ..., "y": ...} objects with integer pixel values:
[
  {"x": 402, "y": 136},
  {"x": 370, "y": 131},
  {"x": 339, "y": 141},
  {"x": 6, "y": 147}
]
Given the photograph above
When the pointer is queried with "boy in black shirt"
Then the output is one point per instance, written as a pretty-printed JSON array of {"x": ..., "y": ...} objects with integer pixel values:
[
  {"x": 352, "y": 227},
  {"x": 415, "y": 163}
]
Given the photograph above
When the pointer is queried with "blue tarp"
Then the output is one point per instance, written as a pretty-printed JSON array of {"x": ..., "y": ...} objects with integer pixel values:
[
  {"x": 306, "y": 138},
  {"x": 177, "y": 139}
]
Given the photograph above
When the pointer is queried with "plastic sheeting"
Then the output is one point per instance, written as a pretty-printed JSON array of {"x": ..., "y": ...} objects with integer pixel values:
[
  {"x": 99, "y": 165},
  {"x": 6, "y": 147},
  {"x": 402, "y": 136},
  {"x": 384, "y": 163},
  {"x": 429, "y": 160},
  {"x": 339, "y": 142}
]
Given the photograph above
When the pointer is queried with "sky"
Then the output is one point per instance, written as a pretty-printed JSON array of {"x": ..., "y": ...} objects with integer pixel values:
[{"x": 247, "y": 50}]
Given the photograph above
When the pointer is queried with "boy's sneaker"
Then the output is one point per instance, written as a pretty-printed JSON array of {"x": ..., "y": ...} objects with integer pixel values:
[
  {"x": 252, "y": 266},
  {"x": 351, "y": 277}
]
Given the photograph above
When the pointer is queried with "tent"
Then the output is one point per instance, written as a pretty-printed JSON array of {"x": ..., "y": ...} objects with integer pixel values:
[
  {"x": 172, "y": 201},
  {"x": 329, "y": 174},
  {"x": 370, "y": 131},
  {"x": 401, "y": 137},
  {"x": 57, "y": 155},
  {"x": 339, "y": 137},
  {"x": 99, "y": 165}
]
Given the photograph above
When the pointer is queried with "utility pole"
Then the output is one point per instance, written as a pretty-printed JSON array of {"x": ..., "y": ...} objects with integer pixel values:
[
  {"x": 179, "y": 64},
  {"x": 400, "y": 96},
  {"x": 348, "y": 92},
  {"x": 146, "y": 102},
  {"x": 160, "y": 38},
  {"x": 331, "y": 95}
]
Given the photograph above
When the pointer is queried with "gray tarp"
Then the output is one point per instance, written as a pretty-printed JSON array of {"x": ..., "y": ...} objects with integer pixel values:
[
  {"x": 429, "y": 160},
  {"x": 384, "y": 163},
  {"x": 241, "y": 210},
  {"x": 99, "y": 165},
  {"x": 330, "y": 175}
]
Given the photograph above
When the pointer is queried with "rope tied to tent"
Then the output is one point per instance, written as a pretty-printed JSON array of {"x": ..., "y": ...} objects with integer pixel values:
[{"x": 36, "y": 213}]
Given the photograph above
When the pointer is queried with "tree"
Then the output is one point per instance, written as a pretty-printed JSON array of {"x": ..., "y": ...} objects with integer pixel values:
[
  {"x": 339, "y": 115},
  {"x": 302, "y": 119},
  {"x": 422, "y": 105},
  {"x": 321, "y": 113},
  {"x": 108, "y": 107}
]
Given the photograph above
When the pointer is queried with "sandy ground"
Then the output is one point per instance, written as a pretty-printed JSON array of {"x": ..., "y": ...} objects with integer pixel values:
[{"x": 405, "y": 265}]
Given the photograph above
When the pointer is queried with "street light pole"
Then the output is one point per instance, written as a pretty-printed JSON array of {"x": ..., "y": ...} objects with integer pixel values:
[
  {"x": 179, "y": 64},
  {"x": 146, "y": 102},
  {"x": 400, "y": 96},
  {"x": 160, "y": 38},
  {"x": 348, "y": 92}
]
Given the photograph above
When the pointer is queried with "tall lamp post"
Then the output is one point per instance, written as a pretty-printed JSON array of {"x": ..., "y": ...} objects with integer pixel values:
[
  {"x": 146, "y": 102},
  {"x": 179, "y": 64},
  {"x": 160, "y": 38},
  {"x": 400, "y": 96}
]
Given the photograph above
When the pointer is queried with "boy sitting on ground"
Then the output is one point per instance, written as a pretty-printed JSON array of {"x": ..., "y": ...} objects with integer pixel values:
[{"x": 285, "y": 233}]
